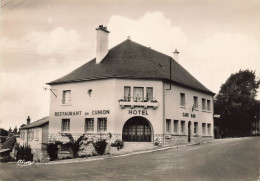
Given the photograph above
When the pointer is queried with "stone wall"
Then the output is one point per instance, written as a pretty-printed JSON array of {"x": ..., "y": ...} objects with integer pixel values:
[
  {"x": 182, "y": 139},
  {"x": 86, "y": 148}
]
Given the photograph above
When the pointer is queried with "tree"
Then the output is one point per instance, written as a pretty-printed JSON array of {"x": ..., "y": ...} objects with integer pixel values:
[
  {"x": 15, "y": 130},
  {"x": 236, "y": 103},
  {"x": 3, "y": 132}
]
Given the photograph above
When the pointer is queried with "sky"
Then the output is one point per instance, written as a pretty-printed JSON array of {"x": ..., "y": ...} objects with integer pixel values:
[{"x": 42, "y": 40}]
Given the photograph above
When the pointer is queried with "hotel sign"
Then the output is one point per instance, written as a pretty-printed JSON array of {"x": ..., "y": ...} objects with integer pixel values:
[{"x": 138, "y": 112}]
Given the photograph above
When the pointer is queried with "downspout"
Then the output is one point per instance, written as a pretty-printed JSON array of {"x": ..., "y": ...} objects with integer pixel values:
[
  {"x": 163, "y": 113},
  {"x": 27, "y": 137},
  {"x": 213, "y": 123}
]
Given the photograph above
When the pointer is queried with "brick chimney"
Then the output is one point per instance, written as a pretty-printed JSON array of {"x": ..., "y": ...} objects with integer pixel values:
[
  {"x": 28, "y": 120},
  {"x": 102, "y": 43}
]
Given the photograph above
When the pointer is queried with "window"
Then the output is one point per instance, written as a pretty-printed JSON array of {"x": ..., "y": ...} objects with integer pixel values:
[
  {"x": 65, "y": 125},
  {"x": 195, "y": 127},
  {"x": 176, "y": 126},
  {"x": 66, "y": 97},
  {"x": 31, "y": 133},
  {"x": 89, "y": 124},
  {"x": 168, "y": 126},
  {"x": 182, "y": 126},
  {"x": 208, "y": 105},
  {"x": 204, "y": 128},
  {"x": 182, "y": 101},
  {"x": 149, "y": 93},
  {"x": 36, "y": 134},
  {"x": 127, "y": 93},
  {"x": 209, "y": 129},
  {"x": 102, "y": 124},
  {"x": 138, "y": 94},
  {"x": 203, "y": 104},
  {"x": 195, "y": 103},
  {"x": 22, "y": 135}
]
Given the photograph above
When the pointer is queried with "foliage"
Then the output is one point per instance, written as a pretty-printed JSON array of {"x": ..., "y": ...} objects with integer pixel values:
[
  {"x": 236, "y": 104},
  {"x": 52, "y": 150},
  {"x": 100, "y": 146},
  {"x": 6, "y": 159},
  {"x": 3, "y": 132},
  {"x": 156, "y": 142},
  {"x": 74, "y": 144},
  {"x": 118, "y": 143},
  {"x": 23, "y": 153}
]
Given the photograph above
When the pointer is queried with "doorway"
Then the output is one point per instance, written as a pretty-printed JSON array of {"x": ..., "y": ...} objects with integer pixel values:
[{"x": 137, "y": 129}]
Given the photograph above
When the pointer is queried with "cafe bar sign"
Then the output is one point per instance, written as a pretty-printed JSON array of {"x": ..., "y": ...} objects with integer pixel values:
[{"x": 188, "y": 115}]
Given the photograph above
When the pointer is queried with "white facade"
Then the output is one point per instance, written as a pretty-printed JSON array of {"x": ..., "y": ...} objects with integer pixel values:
[
  {"x": 98, "y": 99},
  {"x": 188, "y": 112}
]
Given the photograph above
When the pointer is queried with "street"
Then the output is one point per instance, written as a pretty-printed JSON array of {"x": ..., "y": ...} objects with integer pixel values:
[{"x": 235, "y": 159}]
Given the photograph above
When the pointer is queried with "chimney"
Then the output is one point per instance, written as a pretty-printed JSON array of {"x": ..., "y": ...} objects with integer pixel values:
[
  {"x": 28, "y": 120},
  {"x": 176, "y": 55},
  {"x": 102, "y": 43}
]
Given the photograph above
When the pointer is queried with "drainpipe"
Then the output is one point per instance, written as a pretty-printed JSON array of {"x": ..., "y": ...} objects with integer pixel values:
[
  {"x": 163, "y": 113},
  {"x": 27, "y": 137}
]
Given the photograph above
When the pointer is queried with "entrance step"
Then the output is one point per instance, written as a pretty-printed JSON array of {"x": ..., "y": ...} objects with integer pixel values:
[{"x": 133, "y": 147}]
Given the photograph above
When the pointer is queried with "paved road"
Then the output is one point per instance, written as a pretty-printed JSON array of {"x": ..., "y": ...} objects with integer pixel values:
[{"x": 236, "y": 159}]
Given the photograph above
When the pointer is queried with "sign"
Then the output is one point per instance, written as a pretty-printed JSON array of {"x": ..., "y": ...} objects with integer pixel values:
[
  {"x": 78, "y": 113},
  {"x": 68, "y": 113},
  {"x": 138, "y": 112},
  {"x": 98, "y": 112},
  {"x": 185, "y": 114}
]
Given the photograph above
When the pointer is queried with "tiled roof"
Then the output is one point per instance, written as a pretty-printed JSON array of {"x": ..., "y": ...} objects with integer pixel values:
[
  {"x": 38, "y": 123},
  {"x": 10, "y": 141},
  {"x": 132, "y": 60}
]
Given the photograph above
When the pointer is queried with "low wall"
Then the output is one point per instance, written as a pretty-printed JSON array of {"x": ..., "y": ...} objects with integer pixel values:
[{"x": 180, "y": 139}]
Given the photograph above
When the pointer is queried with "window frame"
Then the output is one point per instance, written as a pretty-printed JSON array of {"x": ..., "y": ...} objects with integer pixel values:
[
  {"x": 65, "y": 125},
  {"x": 196, "y": 128},
  {"x": 203, "y": 104},
  {"x": 66, "y": 99},
  {"x": 127, "y": 97},
  {"x": 208, "y": 105},
  {"x": 182, "y": 99},
  {"x": 92, "y": 124},
  {"x": 209, "y": 129},
  {"x": 149, "y": 97},
  {"x": 175, "y": 126},
  {"x": 168, "y": 125},
  {"x": 204, "y": 128},
  {"x": 36, "y": 137},
  {"x": 195, "y": 102},
  {"x": 137, "y": 98},
  {"x": 104, "y": 125},
  {"x": 182, "y": 126}
]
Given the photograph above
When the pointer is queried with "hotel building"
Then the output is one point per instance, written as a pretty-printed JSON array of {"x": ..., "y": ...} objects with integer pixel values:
[{"x": 133, "y": 92}]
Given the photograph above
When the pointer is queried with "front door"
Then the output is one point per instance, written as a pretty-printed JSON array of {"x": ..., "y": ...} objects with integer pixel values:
[
  {"x": 189, "y": 124},
  {"x": 137, "y": 129}
]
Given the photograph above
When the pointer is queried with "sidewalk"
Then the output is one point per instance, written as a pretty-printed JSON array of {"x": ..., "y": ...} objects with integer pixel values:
[{"x": 121, "y": 153}]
